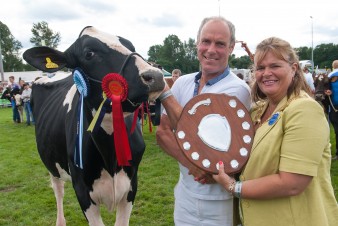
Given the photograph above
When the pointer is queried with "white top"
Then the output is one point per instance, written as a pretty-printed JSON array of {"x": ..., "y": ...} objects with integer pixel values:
[
  {"x": 183, "y": 90},
  {"x": 309, "y": 81}
]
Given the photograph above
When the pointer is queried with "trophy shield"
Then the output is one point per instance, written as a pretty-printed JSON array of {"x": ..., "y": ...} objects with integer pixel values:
[{"x": 213, "y": 128}]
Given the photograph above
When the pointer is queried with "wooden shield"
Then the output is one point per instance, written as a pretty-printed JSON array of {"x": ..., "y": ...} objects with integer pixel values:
[{"x": 213, "y": 128}]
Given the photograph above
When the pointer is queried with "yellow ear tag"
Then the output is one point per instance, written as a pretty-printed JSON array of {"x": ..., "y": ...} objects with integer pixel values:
[{"x": 50, "y": 64}]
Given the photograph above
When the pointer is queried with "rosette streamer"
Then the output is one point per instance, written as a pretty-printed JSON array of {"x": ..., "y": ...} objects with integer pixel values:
[
  {"x": 98, "y": 117},
  {"x": 116, "y": 89},
  {"x": 81, "y": 83}
]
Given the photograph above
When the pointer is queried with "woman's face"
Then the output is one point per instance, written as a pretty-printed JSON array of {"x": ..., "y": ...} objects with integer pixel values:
[{"x": 274, "y": 76}]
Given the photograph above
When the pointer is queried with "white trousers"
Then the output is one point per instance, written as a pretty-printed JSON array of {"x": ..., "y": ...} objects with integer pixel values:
[{"x": 190, "y": 211}]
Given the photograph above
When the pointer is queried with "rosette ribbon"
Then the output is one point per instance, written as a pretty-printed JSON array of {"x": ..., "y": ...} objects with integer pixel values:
[
  {"x": 81, "y": 83},
  {"x": 98, "y": 117},
  {"x": 116, "y": 89}
]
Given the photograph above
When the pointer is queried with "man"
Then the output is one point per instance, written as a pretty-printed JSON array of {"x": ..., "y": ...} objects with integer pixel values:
[
  {"x": 198, "y": 200},
  {"x": 14, "y": 90},
  {"x": 175, "y": 74},
  {"x": 309, "y": 79},
  {"x": 332, "y": 93},
  {"x": 25, "y": 96}
]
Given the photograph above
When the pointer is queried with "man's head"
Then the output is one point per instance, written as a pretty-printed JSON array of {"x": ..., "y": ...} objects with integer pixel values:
[
  {"x": 306, "y": 70},
  {"x": 215, "y": 43},
  {"x": 25, "y": 86},
  {"x": 175, "y": 74},
  {"x": 335, "y": 64},
  {"x": 11, "y": 79}
]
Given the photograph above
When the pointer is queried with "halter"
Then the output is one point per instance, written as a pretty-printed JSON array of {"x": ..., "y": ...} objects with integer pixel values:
[{"x": 120, "y": 72}]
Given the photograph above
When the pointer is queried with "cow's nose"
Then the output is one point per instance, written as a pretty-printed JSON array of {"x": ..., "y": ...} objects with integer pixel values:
[{"x": 154, "y": 79}]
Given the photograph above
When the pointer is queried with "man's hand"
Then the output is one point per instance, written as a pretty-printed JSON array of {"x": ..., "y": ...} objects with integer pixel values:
[
  {"x": 201, "y": 176},
  {"x": 328, "y": 92}
]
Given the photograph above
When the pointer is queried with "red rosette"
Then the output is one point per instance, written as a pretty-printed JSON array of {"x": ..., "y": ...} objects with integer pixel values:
[
  {"x": 115, "y": 84},
  {"x": 116, "y": 89}
]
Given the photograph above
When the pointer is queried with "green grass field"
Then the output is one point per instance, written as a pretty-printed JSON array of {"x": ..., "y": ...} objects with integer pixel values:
[{"x": 26, "y": 197}]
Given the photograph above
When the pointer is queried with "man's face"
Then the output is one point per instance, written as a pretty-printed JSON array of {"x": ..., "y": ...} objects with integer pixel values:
[
  {"x": 214, "y": 48},
  {"x": 174, "y": 76}
]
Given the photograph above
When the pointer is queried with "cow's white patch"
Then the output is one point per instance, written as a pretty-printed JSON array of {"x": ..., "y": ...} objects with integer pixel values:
[
  {"x": 111, "y": 40},
  {"x": 109, "y": 190},
  {"x": 63, "y": 174},
  {"x": 57, "y": 77},
  {"x": 107, "y": 122},
  {"x": 69, "y": 97}
]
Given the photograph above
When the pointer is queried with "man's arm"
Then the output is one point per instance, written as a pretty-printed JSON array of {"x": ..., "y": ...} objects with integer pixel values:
[{"x": 167, "y": 141}]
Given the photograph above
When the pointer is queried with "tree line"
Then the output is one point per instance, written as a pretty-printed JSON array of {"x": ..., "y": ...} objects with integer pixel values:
[{"x": 171, "y": 54}]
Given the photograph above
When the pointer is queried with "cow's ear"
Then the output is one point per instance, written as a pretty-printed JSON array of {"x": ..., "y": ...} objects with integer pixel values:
[
  {"x": 127, "y": 43},
  {"x": 45, "y": 59}
]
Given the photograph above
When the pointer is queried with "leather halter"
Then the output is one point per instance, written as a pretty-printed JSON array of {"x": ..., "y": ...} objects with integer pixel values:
[{"x": 121, "y": 72}]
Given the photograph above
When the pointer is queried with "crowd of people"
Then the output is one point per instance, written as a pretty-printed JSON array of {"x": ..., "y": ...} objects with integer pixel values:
[
  {"x": 286, "y": 180},
  {"x": 19, "y": 96}
]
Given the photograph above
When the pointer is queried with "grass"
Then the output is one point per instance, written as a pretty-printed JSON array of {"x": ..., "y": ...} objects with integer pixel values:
[{"x": 26, "y": 197}]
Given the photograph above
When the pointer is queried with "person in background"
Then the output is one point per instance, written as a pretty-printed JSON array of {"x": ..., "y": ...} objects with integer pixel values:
[
  {"x": 240, "y": 75},
  {"x": 332, "y": 94},
  {"x": 309, "y": 79},
  {"x": 286, "y": 180},
  {"x": 198, "y": 199},
  {"x": 25, "y": 96},
  {"x": 14, "y": 90},
  {"x": 175, "y": 74}
]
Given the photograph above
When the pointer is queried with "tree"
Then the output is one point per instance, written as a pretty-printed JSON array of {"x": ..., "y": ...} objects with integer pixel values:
[
  {"x": 325, "y": 54},
  {"x": 10, "y": 50},
  {"x": 304, "y": 53},
  {"x": 241, "y": 62},
  {"x": 175, "y": 54},
  {"x": 44, "y": 36}
]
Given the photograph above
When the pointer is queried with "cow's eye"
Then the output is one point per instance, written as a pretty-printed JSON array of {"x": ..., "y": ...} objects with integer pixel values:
[{"x": 89, "y": 54}]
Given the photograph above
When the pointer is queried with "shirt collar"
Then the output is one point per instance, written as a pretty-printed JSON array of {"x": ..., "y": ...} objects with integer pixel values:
[{"x": 214, "y": 80}]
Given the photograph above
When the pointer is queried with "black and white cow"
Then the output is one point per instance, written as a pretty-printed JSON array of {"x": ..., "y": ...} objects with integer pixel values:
[{"x": 55, "y": 102}]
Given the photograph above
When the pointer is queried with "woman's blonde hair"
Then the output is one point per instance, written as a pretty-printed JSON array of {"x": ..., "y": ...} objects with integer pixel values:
[{"x": 283, "y": 51}]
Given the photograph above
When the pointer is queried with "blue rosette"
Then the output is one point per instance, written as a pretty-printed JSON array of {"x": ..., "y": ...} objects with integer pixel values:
[{"x": 82, "y": 85}]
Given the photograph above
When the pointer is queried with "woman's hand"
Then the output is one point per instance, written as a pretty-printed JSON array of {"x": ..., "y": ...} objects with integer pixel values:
[{"x": 224, "y": 179}]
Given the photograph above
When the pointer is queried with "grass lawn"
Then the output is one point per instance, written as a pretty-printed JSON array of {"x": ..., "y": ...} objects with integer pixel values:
[{"x": 26, "y": 197}]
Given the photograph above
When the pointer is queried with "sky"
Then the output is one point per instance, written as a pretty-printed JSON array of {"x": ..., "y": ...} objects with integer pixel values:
[{"x": 148, "y": 22}]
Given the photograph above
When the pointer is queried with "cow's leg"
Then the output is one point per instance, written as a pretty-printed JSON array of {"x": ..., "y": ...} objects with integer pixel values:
[
  {"x": 58, "y": 187},
  {"x": 123, "y": 212},
  {"x": 93, "y": 215}
]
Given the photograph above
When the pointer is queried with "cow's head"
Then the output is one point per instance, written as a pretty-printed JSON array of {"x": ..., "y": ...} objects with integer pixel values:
[{"x": 98, "y": 54}]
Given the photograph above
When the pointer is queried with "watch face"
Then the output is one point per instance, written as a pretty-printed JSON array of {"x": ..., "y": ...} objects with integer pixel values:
[{"x": 213, "y": 128}]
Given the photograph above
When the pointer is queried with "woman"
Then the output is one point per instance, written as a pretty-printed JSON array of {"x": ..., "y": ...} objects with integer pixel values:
[{"x": 287, "y": 178}]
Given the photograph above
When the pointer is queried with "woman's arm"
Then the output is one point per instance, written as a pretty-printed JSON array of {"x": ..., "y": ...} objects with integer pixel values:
[{"x": 279, "y": 185}]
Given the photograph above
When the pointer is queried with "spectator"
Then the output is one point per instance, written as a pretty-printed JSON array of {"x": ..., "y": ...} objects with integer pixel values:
[
  {"x": 309, "y": 79},
  {"x": 25, "y": 96},
  {"x": 332, "y": 94},
  {"x": 175, "y": 74},
  {"x": 14, "y": 90},
  {"x": 240, "y": 75}
]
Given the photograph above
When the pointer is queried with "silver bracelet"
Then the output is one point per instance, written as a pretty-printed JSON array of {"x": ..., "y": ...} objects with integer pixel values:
[
  {"x": 238, "y": 189},
  {"x": 165, "y": 95}
]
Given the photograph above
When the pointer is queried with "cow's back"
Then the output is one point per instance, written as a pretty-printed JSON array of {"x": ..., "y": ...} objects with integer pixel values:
[{"x": 49, "y": 105}]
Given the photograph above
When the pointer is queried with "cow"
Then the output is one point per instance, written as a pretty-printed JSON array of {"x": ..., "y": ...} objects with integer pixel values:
[
  {"x": 322, "y": 83},
  {"x": 100, "y": 178}
]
